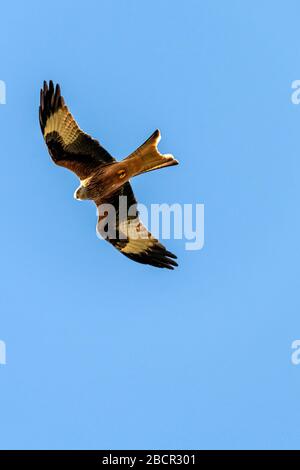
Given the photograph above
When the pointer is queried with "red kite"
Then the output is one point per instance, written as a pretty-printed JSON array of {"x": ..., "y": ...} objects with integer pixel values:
[{"x": 102, "y": 178}]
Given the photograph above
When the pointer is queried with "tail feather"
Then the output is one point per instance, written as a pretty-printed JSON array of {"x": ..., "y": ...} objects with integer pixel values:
[{"x": 148, "y": 158}]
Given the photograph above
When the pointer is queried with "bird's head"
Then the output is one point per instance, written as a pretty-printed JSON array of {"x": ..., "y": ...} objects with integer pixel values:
[{"x": 81, "y": 193}]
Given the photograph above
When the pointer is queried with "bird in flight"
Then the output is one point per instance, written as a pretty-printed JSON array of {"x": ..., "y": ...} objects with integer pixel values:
[{"x": 103, "y": 179}]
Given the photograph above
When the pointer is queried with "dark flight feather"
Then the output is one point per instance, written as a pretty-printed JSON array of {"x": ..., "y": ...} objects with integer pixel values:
[{"x": 68, "y": 145}]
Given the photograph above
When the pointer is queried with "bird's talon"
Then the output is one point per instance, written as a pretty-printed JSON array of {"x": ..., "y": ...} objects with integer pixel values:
[{"x": 122, "y": 174}]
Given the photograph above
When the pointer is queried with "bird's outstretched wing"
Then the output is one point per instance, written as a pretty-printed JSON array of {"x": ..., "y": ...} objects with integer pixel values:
[
  {"x": 130, "y": 236},
  {"x": 68, "y": 145}
]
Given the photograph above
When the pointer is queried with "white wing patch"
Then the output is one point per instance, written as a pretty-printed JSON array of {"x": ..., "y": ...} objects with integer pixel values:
[
  {"x": 139, "y": 239},
  {"x": 64, "y": 124}
]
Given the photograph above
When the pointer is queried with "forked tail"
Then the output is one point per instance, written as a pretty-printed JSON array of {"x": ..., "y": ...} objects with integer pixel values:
[{"x": 148, "y": 158}]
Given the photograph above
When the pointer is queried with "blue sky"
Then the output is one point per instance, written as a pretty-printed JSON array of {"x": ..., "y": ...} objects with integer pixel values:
[{"x": 106, "y": 353}]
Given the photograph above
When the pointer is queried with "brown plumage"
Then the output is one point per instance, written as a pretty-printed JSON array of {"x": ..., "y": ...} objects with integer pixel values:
[{"x": 102, "y": 178}]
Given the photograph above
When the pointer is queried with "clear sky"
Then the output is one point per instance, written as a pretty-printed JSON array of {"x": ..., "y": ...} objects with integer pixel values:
[{"x": 106, "y": 353}]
